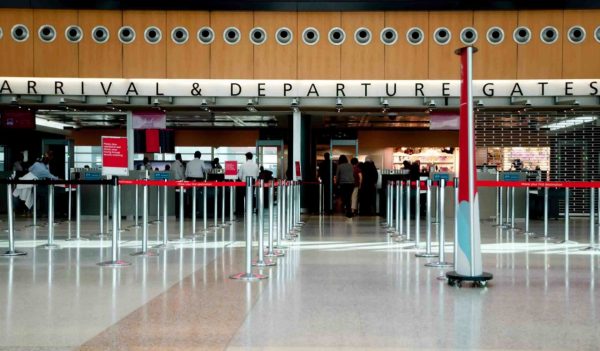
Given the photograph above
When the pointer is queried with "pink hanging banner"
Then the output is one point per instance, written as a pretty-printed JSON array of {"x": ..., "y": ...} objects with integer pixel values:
[{"x": 149, "y": 120}]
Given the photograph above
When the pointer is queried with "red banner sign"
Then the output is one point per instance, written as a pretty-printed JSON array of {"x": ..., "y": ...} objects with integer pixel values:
[
  {"x": 230, "y": 169},
  {"x": 114, "y": 156}
]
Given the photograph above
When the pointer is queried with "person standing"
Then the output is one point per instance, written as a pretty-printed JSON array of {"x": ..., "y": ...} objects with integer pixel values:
[
  {"x": 248, "y": 169},
  {"x": 358, "y": 178},
  {"x": 178, "y": 168},
  {"x": 196, "y": 170},
  {"x": 344, "y": 178},
  {"x": 324, "y": 175},
  {"x": 368, "y": 187}
]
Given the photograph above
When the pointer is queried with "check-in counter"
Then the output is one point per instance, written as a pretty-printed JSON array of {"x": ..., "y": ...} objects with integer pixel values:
[{"x": 90, "y": 195}]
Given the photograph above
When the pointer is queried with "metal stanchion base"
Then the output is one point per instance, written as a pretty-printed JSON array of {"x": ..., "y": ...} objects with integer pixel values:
[
  {"x": 103, "y": 236},
  {"x": 275, "y": 253},
  {"x": 455, "y": 279},
  {"x": 117, "y": 263},
  {"x": 248, "y": 277},
  {"x": 50, "y": 246},
  {"x": 180, "y": 241},
  {"x": 530, "y": 234},
  {"x": 265, "y": 262},
  {"x": 567, "y": 242},
  {"x": 13, "y": 253},
  {"x": 591, "y": 248},
  {"x": 81, "y": 238},
  {"x": 145, "y": 253},
  {"x": 161, "y": 247},
  {"x": 33, "y": 226},
  {"x": 426, "y": 254},
  {"x": 415, "y": 247},
  {"x": 194, "y": 237},
  {"x": 279, "y": 247},
  {"x": 439, "y": 264}
]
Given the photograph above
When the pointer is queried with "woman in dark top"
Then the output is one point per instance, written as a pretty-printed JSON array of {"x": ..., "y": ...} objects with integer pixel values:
[{"x": 344, "y": 178}]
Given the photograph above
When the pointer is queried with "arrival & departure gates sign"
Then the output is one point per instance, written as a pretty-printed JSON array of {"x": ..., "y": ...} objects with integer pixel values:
[{"x": 294, "y": 88}]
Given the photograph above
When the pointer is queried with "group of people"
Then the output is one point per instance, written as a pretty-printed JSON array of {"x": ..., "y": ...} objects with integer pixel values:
[{"x": 354, "y": 181}]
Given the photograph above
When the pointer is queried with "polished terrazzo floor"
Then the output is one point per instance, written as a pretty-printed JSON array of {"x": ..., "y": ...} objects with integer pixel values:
[{"x": 344, "y": 284}]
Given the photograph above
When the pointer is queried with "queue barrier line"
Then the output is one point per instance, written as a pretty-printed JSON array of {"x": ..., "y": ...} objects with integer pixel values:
[{"x": 536, "y": 184}]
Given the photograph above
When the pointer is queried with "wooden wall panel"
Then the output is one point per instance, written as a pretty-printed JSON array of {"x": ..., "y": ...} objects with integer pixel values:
[
  {"x": 403, "y": 60},
  {"x": 16, "y": 59},
  {"x": 581, "y": 60},
  {"x": 100, "y": 60},
  {"x": 537, "y": 59},
  {"x": 322, "y": 60},
  {"x": 216, "y": 137},
  {"x": 362, "y": 61},
  {"x": 495, "y": 61},
  {"x": 271, "y": 59},
  {"x": 141, "y": 59},
  {"x": 443, "y": 62},
  {"x": 192, "y": 59},
  {"x": 232, "y": 61},
  {"x": 59, "y": 58}
]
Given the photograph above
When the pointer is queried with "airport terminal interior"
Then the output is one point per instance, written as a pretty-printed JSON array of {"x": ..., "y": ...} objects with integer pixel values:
[{"x": 299, "y": 175}]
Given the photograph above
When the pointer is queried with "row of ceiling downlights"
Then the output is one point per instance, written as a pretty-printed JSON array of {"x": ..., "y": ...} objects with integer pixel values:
[{"x": 310, "y": 36}]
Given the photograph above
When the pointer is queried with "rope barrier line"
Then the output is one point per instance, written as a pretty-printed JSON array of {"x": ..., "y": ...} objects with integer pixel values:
[{"x": 556, "y": 184}]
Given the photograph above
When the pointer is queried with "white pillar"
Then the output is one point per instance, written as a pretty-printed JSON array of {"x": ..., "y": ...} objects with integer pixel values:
[
  {"x": 296, "y": 141},
  {"x": 130, "y": 142}
]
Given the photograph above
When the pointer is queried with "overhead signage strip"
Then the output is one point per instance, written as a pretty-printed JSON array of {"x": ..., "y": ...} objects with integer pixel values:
[{"x": 294, "y": 88}]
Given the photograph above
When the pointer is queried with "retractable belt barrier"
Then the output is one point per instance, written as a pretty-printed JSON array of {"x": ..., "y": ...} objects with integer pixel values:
[{"x": 288, "y": 217}]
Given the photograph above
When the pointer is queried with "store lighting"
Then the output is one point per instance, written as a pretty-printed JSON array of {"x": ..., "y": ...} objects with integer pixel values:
[
  {"x": 570, "y": 122},
  {"x": 50, "y": 124}
]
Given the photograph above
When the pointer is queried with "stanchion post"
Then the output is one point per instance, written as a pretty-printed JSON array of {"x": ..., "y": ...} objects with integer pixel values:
[
  {"x": 181, "y": 238},
  {"x": 442, "y": 230},
  {"x": 418, "y": 214},
  {"x": 101, "y": 234},
  {"x": 223, "y": 212},
  {"x": 35, "y": 205},
  {"x": 546, "y": 213},
  {"x": 158, "y": 205},
  {"x": 271, "y": 251},
  {"x": 137, "y": 206},
  {"x": 78, "y": 216},
  {"x": 512, "y": 208},
  {"x": 144, "y": 251},
  {"x": 567, "y": 217},
  {"x": 427, "y": 252},
  {"x": 115, "y": 261},
  {"x": 507, "y": 220},
  {"x": 320, "y": 197},
  {"x": 498, "y": 198},
  {"x": 527, "y": 232},
  {"x": 11, "y": 226},
  {"x": 50, "y": 244},
  {"x": 261, "y": 261},
  {"x": 194, "y": 209},
  {"x": 407, "y": 211},
  {"x": 592, "y": 245},
  {"x": 248, "y": 275},
  {"x": 392, "y": 200},
  {"x": 165, "y": 241},
  {"x": 231, "y": 204},
  {"x": 388, "y": 205},
  {"x": 216, "y": 208},
  {"x": 205, "y": 210}
]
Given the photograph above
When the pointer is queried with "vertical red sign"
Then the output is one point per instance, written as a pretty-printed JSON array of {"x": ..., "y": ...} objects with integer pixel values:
[
  {"x": 114, "y": 156},
  {"x": 230, "y": 169},
  {"x": 298, "y": 172}
]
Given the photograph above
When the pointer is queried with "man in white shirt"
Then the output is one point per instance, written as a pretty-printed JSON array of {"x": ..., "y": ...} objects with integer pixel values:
[
  {"x": 196, "y": 169},
  {"x": 248, "y": 169},
  {"x": 178, "y": 168}
]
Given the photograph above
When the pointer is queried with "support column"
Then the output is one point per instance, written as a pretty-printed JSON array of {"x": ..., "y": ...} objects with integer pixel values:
[{"x": 130, "y": 142}]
